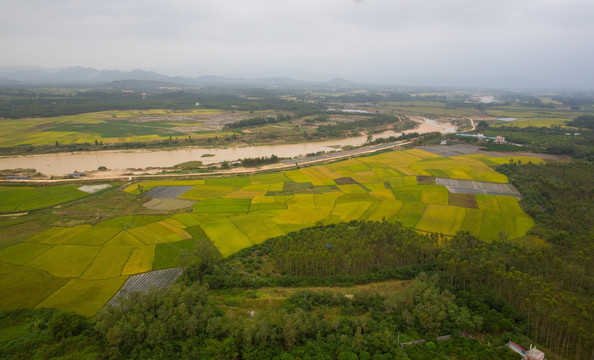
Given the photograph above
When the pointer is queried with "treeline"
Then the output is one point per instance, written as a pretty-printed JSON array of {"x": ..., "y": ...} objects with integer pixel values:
[
  {"x": 351, "y": 248},
  {"x": 551, "y": 286},
  {"x": 331, "y": 255},
  {"x": 560, "y": 316},
  {"x": 185, "y": 322},
  {"x": 394, "y": 138},
  {"x": 259, "y": 161},
  {"x": 584, "y": 121},
  {"x": 554, "y": 140},
  {"x": 420, "y": 139},
  {"x": 259, "y": 121},
  {"x": 40, "y": 104},
  {"x": 83, "y": 102},
  {"x": 374, "y": 97},
  {"x": 560, "y": 196}
]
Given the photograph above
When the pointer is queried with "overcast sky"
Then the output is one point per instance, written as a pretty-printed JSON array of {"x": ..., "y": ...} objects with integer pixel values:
[{"x": 354, "y": 39}]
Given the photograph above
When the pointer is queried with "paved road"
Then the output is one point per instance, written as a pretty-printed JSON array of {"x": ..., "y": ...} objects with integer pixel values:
[
  {"x": 344, "y": 153},
  {"x": 283, "y": 165}
]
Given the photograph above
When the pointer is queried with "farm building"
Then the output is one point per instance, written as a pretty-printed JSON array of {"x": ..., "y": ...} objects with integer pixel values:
[
  {"x": 532, "y": 354},
  {"x": 535, "y": 354},
  {"x": 497, "y": 140}
]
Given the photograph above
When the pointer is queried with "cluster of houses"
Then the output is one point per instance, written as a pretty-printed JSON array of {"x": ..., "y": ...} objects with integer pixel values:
[{"x": 497, "y": 139}]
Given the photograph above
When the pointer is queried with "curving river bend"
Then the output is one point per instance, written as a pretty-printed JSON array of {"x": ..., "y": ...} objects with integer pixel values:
[{"x": 65, "y": 163}]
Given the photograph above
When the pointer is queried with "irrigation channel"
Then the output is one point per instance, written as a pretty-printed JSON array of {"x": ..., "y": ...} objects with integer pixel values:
[{"x": 66, "y": 163}]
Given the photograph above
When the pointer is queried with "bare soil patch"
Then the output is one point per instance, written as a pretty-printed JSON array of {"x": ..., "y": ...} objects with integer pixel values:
[
  {"x": 167, "y": 192},
  {"x": 168, "y": 204},
  {"x": 477, "y": 187},
  {"x": 91, "y": 189},
  {"x": 462, "y": 200}
]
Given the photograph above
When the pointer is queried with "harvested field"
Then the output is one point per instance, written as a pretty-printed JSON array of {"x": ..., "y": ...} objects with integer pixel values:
[
  {"x": 462, "y": 200},
  {"x": 168, "y": 204},
  {"x": 477, "y": 187},
  {"x": 146, "y": 282},
  {"x": 168, "y": 192}
]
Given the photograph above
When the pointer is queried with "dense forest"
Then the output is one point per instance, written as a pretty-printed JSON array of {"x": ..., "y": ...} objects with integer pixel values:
[{"x": 258, "y": 121}]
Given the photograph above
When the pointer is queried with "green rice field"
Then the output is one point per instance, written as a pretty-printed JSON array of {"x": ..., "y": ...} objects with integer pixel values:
[
  {"x": 108, "y": 127},
  {"x": 25, "y": 198},
  {"x": 81, "y": 266}
]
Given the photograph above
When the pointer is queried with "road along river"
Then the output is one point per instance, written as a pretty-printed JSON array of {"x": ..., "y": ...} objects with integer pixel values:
[{"x": 66, "y": 163}]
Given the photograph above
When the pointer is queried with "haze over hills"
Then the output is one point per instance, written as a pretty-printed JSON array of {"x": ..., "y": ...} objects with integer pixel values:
[{"x": 82, "y": 76}]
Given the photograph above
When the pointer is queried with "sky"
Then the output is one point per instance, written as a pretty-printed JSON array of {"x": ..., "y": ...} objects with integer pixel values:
[{"x": 386, "y": 41}]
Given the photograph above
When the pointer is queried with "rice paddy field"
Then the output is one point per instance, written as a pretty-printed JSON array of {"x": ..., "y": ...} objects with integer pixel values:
[
  {"x": 118, "y": 126},
  {"x": 81, "y": 267},
  {"x": 25, "y": 198}
]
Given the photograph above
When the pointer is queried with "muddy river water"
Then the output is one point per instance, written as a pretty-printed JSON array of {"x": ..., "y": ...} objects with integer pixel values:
[{"x": 65, "y": 163}]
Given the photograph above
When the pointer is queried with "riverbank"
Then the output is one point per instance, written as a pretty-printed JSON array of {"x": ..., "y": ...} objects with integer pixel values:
[
  {"x": 284, "y": 165},
  {"x": 123, "y": 164}
]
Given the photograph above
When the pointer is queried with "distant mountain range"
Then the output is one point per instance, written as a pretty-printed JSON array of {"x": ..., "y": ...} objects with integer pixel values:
[
  {"x": 80, "y": 76},
  {"x": 140, "y": 79}
]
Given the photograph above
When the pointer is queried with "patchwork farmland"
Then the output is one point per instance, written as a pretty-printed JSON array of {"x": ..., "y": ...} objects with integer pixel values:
[{"x": 81, "y": 267}]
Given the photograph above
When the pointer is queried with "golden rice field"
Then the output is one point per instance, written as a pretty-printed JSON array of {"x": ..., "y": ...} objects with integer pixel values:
[
  {"x": 80, "y": 268},
  {"x": 108, "y": 127}
]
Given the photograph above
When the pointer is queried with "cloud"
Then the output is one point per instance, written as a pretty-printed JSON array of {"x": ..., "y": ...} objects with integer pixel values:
[{"x": 339, "y": 37}]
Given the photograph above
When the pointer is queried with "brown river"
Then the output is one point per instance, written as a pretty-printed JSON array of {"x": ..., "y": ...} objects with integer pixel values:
[{"x": 65, "y": 163}]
